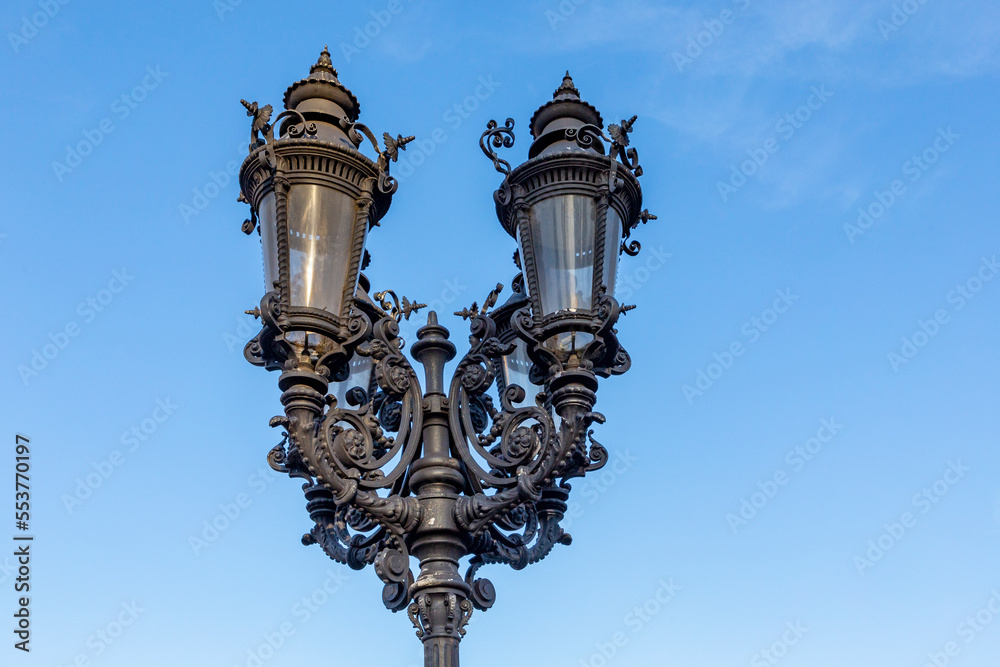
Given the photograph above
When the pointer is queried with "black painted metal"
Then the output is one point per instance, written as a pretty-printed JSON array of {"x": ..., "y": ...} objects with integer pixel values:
[{"x": 428, "y": 470}]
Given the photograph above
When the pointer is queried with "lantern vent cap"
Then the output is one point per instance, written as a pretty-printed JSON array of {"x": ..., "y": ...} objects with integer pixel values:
[
  {"x": 323, "y": 84},
  {"x": 566, "y": 103}
]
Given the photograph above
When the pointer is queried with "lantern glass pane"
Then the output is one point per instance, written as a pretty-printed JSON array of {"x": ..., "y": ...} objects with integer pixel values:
[
  {"x": 562, "y": 234},
  {"x": 360, "y": 377},
  {"x": 515, "y": 368},
  {"x": 309, "y": 343},
  {"x": 268, "y": 241},
  {"x": 321, "y": 224},
  {"x": 569, "y": 342}
]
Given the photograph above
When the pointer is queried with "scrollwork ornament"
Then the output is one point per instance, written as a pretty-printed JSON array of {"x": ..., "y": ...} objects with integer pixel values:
[
  {"x": 354, "y": 443},
  {"x": 333, "y": 526},
  {"x": 497, "y": 137},
  {"x": 465, "y": 608},
  {"x": 253, "y": 351},
  {"x": 483, "y": 594},
  {"x": 277, "y": 458},
  {"x": 585, "y": 136},
  {"x": 357, "y": 133},
  {"x": 504, "y": 194},
  {"x": 420, "y": 615},
  {"x": 598, "y": 454},
  {"x": 633, "y": 248},
  {"x": 392, "y": 567},
  {"x": 398, "y": 308}
]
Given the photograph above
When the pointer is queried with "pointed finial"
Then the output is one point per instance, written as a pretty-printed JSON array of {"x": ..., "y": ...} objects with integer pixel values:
[
  {"x": 432, "y": 318},
  {"x": 565, "y": 104},
  {"x": 566, "y": 88},
  {"x": 323, "y": 84},
  {"x": 324, "y": 64}
]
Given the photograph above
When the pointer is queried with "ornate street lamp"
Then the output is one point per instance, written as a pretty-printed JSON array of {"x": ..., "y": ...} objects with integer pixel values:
[{"x": 395, "y": 471}]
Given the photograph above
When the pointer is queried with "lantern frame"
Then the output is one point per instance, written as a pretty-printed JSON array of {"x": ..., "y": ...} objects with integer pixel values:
[
  {"x": 298, "y": 158},
  {"x": 591, "y": 172}
]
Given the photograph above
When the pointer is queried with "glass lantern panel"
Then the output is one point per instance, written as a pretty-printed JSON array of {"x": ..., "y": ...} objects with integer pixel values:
[
  {"x": 360, "y": 376},
  {"x": 562, "y": 232},
  {"x": 515, "y": 368},
  {"x": 321, "y": 225},
  {"x": 309, "y": 343},
  {"x": 568, "y": 342},
  {"x": 268, "y": 241}
]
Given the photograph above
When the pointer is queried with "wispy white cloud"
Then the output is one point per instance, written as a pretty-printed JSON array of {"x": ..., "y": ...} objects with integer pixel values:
[
  {"x": 793, "y": 39},
  {"x": 634, "y": 25},
  {"x": 813, "y": 170},
  {"x": 738, "y": 82},
  {"x": 966, "y": 45}
]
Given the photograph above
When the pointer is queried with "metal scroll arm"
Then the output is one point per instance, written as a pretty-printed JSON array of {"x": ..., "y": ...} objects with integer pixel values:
[
  {"x": 586, "y": 136},
  {"x": 497, "y": 137},
  {"x": 305, "y": 457},
  {"x": 357, "y": 132},
  {"x": 632, "y": 249},
  {"x": 261, "y": 124},
  {"x": 537, "y": 521},
  {"x": 399, "y": 307},
  {"x": 619, "y": 140},
  {"x": 336, "y": 502},
  {"x": 345, "y": 534},
  {"x": 476, "y": 512},
  {"x": 369, "y": 544}
]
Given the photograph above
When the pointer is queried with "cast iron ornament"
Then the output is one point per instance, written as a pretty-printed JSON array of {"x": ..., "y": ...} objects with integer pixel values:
[{"x": 406, "y": 470}]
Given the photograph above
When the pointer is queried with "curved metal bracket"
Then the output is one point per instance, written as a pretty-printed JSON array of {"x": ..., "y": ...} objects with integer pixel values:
[{"x": 497, "y": 137}]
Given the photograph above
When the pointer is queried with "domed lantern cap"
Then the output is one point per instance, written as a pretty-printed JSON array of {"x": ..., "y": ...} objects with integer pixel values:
[
  {"x": 320, "y": 89},
  {"x": 566, "y": 110}
]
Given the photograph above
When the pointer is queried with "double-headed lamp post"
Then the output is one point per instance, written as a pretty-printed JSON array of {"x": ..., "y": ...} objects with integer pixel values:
[{"x": 392, "y": 470}]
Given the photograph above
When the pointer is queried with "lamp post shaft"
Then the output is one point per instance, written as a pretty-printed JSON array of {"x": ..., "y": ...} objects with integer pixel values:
[{"x": 440, "y": 606}]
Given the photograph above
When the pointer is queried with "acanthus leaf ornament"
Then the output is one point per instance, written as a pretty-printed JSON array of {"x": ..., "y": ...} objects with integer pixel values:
[
  {"x": 474, "y": 310},
  {"x": 358, "y": 132},
  {"x": 393, "y": 146},
  {"x": 398, "y": 308},
  {"x": 633, "y": 248}
]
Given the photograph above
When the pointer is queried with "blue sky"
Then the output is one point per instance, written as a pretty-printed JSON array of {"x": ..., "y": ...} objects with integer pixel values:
[{"x": 807, "y": 443}]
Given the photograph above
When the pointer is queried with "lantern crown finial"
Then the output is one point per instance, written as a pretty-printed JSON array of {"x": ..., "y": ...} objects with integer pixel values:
[
  {"x": 565, "y": 109},
  {"x": 320, "y": 88},
  {"x": 324, "y": 65},
  {"x": 566, "y": 89}
]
